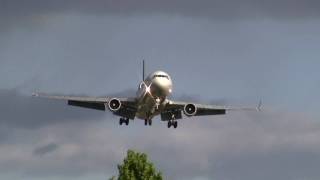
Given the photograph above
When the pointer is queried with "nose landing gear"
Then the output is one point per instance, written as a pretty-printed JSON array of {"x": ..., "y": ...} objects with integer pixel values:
[
  {"x": 173, "y": 123},
  {"x": 124, "y": 120}
]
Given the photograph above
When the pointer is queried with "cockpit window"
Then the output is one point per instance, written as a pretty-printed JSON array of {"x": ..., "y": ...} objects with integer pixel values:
[{"x": 159, "y": 75}]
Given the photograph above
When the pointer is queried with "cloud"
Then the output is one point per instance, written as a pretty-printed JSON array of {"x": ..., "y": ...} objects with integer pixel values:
[
  {"x": 40, "y": 151},
  {"x": 22, "y": 111},
  {"x": 18, "y": 110},
  {"x": 74, "y": 54},
  {"x": 244, "y": 145},
  {"x": 214, "y": 9}
]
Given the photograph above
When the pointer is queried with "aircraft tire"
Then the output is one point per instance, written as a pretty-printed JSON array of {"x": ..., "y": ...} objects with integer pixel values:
[{"x": 175, "y": 124}]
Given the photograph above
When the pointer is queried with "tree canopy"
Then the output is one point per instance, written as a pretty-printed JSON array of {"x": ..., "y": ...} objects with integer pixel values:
[{"x": 136, "y": 166}]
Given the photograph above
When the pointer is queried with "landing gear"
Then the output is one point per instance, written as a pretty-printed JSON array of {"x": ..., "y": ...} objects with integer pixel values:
[
  {"x": 148, "y": 122},
  {"x": 173, "y": 123},
  {"x": 124, "y": 120}
]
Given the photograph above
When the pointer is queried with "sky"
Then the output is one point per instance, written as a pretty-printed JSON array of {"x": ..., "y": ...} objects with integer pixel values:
[{"x": 225, "y": 52}]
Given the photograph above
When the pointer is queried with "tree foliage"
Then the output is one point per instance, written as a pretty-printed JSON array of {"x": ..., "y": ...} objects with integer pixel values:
[{"x": 137, "y": 167}]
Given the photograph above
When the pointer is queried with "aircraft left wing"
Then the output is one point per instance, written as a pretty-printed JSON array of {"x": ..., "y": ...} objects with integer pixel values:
[
  {"x": 97, "y": 103},
  {"x": 193, "y": 109}
]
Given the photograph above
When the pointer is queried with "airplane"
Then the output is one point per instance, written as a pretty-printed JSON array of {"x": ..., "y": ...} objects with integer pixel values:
[{"x": 151, "y": 100}]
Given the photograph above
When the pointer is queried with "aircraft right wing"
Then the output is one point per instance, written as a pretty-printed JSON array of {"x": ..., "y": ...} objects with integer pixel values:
[{"x": 97, "y": 103}]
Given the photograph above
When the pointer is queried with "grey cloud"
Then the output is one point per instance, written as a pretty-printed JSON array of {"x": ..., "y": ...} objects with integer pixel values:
[
  {"x": 17, "y": 110},
  {"x": 23, "y": 111},
  {"x": 285, "y": 164},
  {"x": 79, "y": 148},
  {"x": 242, "y": 146},
  {"x": 40, "y": 151},
  {"x": 225, "y": 60},
  {"x": 206, "y": 8}
]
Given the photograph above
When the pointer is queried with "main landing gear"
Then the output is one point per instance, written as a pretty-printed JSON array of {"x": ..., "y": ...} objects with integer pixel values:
[
  {"x": 173, "y": 123},
  {"x": 148, "y": 122},
  {"x": 124, "y": 120}
]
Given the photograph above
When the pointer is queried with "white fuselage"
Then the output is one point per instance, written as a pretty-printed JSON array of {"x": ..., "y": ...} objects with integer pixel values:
[{"x": 152, "y": 94}]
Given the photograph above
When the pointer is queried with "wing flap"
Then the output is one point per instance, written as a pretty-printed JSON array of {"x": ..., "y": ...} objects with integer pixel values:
[
  {"x": 89, "y": 105},
  {"x": 204, "y": 110},
  {"x": 207, "y": 111}
]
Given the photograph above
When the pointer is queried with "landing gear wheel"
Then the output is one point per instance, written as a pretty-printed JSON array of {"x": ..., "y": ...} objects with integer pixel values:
[
  {"x": 120, "y": 121},
  {"x": 169, "y": 124},
  {"x": 146, "y": 122},
  {"x": 150, "y": 122},
  {"x": 175, "y": 124},
  {"x": 127, "y": 121}
]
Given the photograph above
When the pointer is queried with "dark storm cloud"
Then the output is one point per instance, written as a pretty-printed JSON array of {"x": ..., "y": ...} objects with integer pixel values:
[
  {"x": 206, "y": 8},
  {"x": 23, "y": 111}
]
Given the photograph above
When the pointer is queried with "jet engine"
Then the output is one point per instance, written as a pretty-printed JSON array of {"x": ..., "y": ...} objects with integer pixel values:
[
  {"x": 114, "y": 104},
  {"x": 190, "y": 109}
]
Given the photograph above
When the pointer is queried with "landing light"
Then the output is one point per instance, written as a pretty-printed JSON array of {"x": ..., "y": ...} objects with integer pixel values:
[{"x": 148, "y": 89}]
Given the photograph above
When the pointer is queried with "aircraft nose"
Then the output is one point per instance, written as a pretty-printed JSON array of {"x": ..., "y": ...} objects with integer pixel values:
[{"x": 161, "y": 87}]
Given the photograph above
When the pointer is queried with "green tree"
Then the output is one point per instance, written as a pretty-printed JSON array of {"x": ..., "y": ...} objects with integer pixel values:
[{"x": 137, "y": 167}]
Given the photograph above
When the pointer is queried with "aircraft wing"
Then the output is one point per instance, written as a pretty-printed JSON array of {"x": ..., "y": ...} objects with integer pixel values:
[
  {"x": 204, "y": 110},
  {"x": 97, "y": 103}
]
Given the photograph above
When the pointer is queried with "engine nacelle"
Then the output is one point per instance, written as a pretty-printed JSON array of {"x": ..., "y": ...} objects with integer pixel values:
[
  {"x": 190, "y": 109},
  {"x": 114, "y": 104}
]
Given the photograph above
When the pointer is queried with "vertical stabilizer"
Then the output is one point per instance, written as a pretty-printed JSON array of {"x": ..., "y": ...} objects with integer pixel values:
[{"x": 143, "y": 71}]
